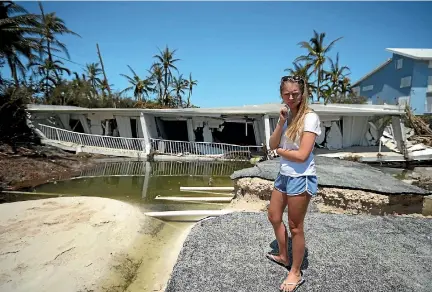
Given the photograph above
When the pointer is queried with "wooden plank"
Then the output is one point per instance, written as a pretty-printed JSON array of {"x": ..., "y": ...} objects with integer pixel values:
[
  {"x": 206, "y": 188},
  {"x": 203, "y": 199}
]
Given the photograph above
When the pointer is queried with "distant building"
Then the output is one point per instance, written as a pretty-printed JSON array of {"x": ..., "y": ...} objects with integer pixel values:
[{"x": 405, "y": 78}]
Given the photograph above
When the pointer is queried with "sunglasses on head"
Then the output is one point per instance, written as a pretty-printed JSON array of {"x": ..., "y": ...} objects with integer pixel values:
[{"x": 297, "y": 79}]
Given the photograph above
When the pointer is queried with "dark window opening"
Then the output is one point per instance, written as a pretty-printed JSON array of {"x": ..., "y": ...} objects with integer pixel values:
[
  {"x": 133, "y": 123},
  {"x": 175, "y": 130},
  {"x": 199, "y": 137},
  {"x": 235, "y": 133},
  {"x": 76, "y": 126}
]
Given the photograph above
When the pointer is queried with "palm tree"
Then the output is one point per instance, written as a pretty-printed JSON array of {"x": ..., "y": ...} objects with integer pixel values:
[
  {"x": 16, "y": 35},
  {"x": 166, "y": 60},
  {"x": 84, "y": 87},
  {"x": 345, "y": 86},
  {"x": 156, "y": 74},
  {"x": 51, "y": 26},
  {"x": 140, "y": 86},
  {"x": 329, "y": 95},
  {"x": 92, "y": 71},
  {"x": 178, "y": 87},
  {"x": 316, "y": 55},
  {"x": 341, "y": 93},
  {"x": 303, "y": 71},
  {"x": 336, "y": 74},
  {"x": 190, "y": 83},
  {"x": 44, "y": 70}
]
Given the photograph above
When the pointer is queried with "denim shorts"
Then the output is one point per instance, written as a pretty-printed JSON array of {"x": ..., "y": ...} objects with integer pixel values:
[{"x": 293, "y": 186}]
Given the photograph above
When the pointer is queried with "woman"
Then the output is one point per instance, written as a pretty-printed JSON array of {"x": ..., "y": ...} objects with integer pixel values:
[{"x": 294, "y": 139}]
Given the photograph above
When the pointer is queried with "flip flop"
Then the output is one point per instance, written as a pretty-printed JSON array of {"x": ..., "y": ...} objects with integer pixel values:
[
  {"x": 271, "y": 257},
  {"x": 297, "y": 285}
]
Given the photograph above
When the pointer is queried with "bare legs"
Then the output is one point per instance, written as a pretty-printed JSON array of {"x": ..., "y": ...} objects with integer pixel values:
[
  {"x": 297, "y": 207},
  {"x": 277, "y": 206}
]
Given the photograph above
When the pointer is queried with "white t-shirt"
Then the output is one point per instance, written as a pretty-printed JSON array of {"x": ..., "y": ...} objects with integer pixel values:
[{"x": 295, "y": 169}]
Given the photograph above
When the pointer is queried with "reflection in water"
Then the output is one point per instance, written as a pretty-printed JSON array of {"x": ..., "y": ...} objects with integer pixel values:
[{"x": 141, "y": 182}]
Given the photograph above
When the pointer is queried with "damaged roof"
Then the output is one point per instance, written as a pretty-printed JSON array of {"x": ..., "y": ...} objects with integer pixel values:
[{"x": 262, "y": 109}]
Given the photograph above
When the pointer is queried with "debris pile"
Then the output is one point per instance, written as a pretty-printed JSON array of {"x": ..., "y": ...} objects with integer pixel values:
[
  {"x": 422, "y": 131},
  {"x": 418, "y": 136}
]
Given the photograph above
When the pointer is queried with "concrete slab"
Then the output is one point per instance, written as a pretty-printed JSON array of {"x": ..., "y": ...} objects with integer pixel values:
[{"x": 333, "y": 172}]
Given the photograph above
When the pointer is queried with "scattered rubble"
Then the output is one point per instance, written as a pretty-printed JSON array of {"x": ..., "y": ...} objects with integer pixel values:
[{"x": 418, "y": 136}]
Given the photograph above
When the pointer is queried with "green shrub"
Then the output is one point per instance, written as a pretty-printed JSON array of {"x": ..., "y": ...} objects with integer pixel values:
[{"x": 13, "y": 125}]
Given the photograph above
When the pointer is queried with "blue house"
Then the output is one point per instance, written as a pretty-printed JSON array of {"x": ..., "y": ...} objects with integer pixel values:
[{"x": 404, "y": 78}]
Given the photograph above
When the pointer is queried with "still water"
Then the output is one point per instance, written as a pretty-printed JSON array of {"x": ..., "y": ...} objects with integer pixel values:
[{"x": 140, "y": 182}]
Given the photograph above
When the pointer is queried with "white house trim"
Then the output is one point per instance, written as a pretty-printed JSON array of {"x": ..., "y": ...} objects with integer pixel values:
[{"x": 418, "y": 54}]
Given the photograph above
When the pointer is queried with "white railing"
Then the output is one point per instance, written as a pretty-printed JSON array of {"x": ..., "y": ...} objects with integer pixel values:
[
  {"x": 172, "y": 168},
  {"x": 158, "y": 146},
  {"x": 210, "y": 149},
  {"x": 62, "y": 135},
  {"x": 163, "y": 168},
  {"x": 129, "y": 168}
]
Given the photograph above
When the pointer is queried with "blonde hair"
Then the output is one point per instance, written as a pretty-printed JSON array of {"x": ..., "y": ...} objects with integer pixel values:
[{"x": 295, "y": 127}]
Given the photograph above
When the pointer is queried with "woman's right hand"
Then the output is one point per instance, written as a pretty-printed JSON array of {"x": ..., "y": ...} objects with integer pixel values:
[{"x": 283, "y": 115}]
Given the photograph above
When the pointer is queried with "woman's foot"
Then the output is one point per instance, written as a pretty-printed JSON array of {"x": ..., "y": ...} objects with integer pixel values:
[
  {"x": 276, "y": 258},
  {"x": 292, "y": 282}
]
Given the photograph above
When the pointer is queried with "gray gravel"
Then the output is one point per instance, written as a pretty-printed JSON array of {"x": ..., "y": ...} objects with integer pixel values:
[
  {"x": 344, "y": 253},
  {"x": 334, "y": 172}
]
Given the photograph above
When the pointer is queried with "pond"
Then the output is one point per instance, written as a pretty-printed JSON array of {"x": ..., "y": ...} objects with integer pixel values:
[{"x": 139, "y": 183}]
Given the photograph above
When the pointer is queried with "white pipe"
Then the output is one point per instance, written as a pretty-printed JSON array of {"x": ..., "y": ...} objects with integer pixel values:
[
  {"x": 207, "y": 192},
  {"x": 188, "y": 213},
  {"x": 206, "y": 188},
  {"x": 204, "y": 199}
]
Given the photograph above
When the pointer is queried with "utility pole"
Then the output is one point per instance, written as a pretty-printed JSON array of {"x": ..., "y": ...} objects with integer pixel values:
[{"x": 103, "y": 70}]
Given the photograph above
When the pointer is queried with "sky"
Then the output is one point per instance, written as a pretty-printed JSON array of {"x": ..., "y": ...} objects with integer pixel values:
[{"x": 237, "y": 51}]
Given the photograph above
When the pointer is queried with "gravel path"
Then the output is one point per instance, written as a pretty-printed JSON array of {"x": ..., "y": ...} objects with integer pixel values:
[
  {"x": 339, "y": 173},
  {"x": 344, "y": 253}
]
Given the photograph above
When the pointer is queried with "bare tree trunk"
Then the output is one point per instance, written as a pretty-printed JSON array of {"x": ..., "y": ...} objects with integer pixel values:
[
  {"x": 103, "y": 70},
  {"x": 166, "y": 87},
  {"x": 188, "y": 100},
  {"x": 318, "y": 84}
]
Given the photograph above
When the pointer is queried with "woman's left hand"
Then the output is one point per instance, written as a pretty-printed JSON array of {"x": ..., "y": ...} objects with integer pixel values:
[{"x": 279, "y": 150}]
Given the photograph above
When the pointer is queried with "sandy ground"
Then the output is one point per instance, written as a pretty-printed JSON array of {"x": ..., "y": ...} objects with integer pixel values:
[{"x": 84, "y": 244}]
